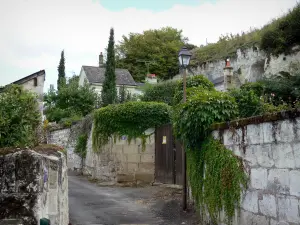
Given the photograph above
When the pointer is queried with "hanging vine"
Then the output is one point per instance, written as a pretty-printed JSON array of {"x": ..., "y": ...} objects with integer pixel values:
[
  {"x": 131, "y": 119},
  {"x": 216, "y": 175}
]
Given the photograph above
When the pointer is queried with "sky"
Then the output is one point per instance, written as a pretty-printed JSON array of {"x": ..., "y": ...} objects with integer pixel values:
[{"x": 34, "y": 32}]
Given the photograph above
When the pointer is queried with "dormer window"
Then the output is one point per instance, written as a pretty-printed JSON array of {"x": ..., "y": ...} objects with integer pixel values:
[{"x": 35, "y": 82}]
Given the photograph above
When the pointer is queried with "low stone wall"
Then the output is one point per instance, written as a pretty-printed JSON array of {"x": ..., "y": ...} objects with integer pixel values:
[
  {"x": 33, "y": 186},
  {"x": 271, "y": 151},
  {"x": 121, "y": 162}
]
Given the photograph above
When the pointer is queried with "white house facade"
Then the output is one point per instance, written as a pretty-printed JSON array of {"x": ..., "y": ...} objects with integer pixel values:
[{"x": 95, "y": 75}]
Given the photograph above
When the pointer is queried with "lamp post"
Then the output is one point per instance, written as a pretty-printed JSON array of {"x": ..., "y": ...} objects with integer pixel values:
[{"x": 184, "y": 57}]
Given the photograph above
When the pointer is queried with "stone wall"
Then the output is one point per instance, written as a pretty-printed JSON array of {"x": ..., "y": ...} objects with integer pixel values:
[
  {"x": 271, "y": 151},
  {"x": 33, "y": 186},
  {"x": 67, "y": 138},
  {"x": 117, "y": 162},
  {"x": 121, "y": 162}
]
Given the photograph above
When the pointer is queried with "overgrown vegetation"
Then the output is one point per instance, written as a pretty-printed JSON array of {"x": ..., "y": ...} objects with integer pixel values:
[
  {"x": 284, "y": 33},
  {"x": 192, "y": 120},
  {"x": 275, "y": 38},
  {"x": 267, "y": 96},
  {"x": 80, "y": 147},
  {"x": 171, "y": 92},
  {"x": 217, "y": 179},
  {"x": 199, "y": 82},
  {"x": 131, "y": 119},
  {"x": 70, "y": 103},
  {"x": 19, "y": 117},
  {"x": 216, "y": 176},
  {"x": 161, "y": 92}
]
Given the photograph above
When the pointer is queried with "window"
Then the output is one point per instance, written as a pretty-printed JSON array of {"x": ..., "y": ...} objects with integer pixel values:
[{"x": 35, "y": 83}]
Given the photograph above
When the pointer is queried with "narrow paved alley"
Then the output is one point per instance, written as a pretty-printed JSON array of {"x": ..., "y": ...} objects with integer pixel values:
[{"x": 91, "y": 204}]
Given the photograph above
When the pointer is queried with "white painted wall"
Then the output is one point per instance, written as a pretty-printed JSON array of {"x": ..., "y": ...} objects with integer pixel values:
[{"x": 39, "y": 89}]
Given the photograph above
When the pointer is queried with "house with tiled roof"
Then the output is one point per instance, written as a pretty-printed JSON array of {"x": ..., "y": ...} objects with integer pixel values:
[{"x": 95, "y": 76}]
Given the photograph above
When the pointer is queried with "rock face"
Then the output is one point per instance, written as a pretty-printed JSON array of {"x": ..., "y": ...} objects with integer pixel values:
[
  {"x": 271, "y": 152},
  {"x": 33, "y": 186},
  {"x": 252, "y": 64}
]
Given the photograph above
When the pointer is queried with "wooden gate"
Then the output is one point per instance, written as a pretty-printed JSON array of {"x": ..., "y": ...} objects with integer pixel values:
[{"x": 168, "y": 156}]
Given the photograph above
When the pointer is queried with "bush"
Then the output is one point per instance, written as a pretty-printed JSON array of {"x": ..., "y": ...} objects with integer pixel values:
[
  {"x": 131, "y": 118},
  {"x": 71, "y": 100},
  {"x": 161, "y": 92},
  {"x": 199, "y": 81},
  {"x": 249, "y": 104},
  {"x": 283, "y": 89},
  {"x": 193, "y": 119},
  {"x": 171, "y": 92},
  {"x": 80, "y": 147},
  {"x": 19, "y": 117}
]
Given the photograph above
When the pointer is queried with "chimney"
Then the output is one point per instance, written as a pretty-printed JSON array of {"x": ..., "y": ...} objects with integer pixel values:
[
  {"x": 101, "y": 60},
  {"x": 228, "y": 75}
]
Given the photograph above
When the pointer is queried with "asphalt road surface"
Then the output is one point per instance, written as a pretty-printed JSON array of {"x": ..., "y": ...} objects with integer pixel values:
[{"x": 91, "y": 204}]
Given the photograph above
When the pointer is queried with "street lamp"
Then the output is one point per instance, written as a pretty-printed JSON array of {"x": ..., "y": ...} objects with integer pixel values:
[{"x": 184, "y": 57}]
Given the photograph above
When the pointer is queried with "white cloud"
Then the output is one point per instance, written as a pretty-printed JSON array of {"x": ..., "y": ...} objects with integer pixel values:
[{"x": 33, "y": 32}]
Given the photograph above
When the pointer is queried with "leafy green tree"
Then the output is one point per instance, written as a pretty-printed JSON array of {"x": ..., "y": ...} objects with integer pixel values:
[
  {"x": 61, "y": 71},
  {"x": 71, "y": 100},
  {"x": 109, "y": 90},
  {"x": 19, "y": 117},
  {"x": 158, "y": 46}
]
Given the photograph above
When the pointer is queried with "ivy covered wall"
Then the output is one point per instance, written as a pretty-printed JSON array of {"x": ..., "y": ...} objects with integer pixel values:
[{"x": 270, "y": 149}]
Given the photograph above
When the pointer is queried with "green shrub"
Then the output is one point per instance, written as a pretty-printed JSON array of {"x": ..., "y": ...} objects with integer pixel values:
[
  {"x": 257, "y": 87},
  {"x": 80, "y": 147},
  {"x": 131, "y": 119},
  {"x": 193, "y": 83},
  {"x": 69, "y": 121},
  {"x": 19, "y": 117},
  {"x": 161, "y": 92},
  {"x": 282, "y": 89},
  {"x": 192, "y": 120},
  {"x": 249, "y": 104},
  {"x": 171, "y": 92},
  {"x": 71, "y": 100}
]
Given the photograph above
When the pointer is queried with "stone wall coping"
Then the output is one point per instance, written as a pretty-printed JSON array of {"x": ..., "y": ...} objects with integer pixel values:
[{"x": 271, "y": 117}]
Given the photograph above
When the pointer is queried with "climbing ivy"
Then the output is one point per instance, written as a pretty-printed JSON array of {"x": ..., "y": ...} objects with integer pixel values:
[
  {"x": 80, "y": 147},
  {"x": 131, "y": 119},
  {"x": 192, "y": 120},
  {"x": 217, "y": 179},
  {"x": 216, "y": 176}
]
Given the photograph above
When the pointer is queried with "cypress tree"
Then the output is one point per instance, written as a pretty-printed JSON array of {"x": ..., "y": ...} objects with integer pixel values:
[
  {"x": 61, "y": 71},
  {"x": 109, "y": 90},
  {"x": 122, "y": 94}
]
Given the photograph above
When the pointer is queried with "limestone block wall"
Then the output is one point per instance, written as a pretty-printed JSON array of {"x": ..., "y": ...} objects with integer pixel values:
[
  {"x": 271, "y": 151},
  {"x": 121, "y": 162},
  {"x": 33, "y": 186}
]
